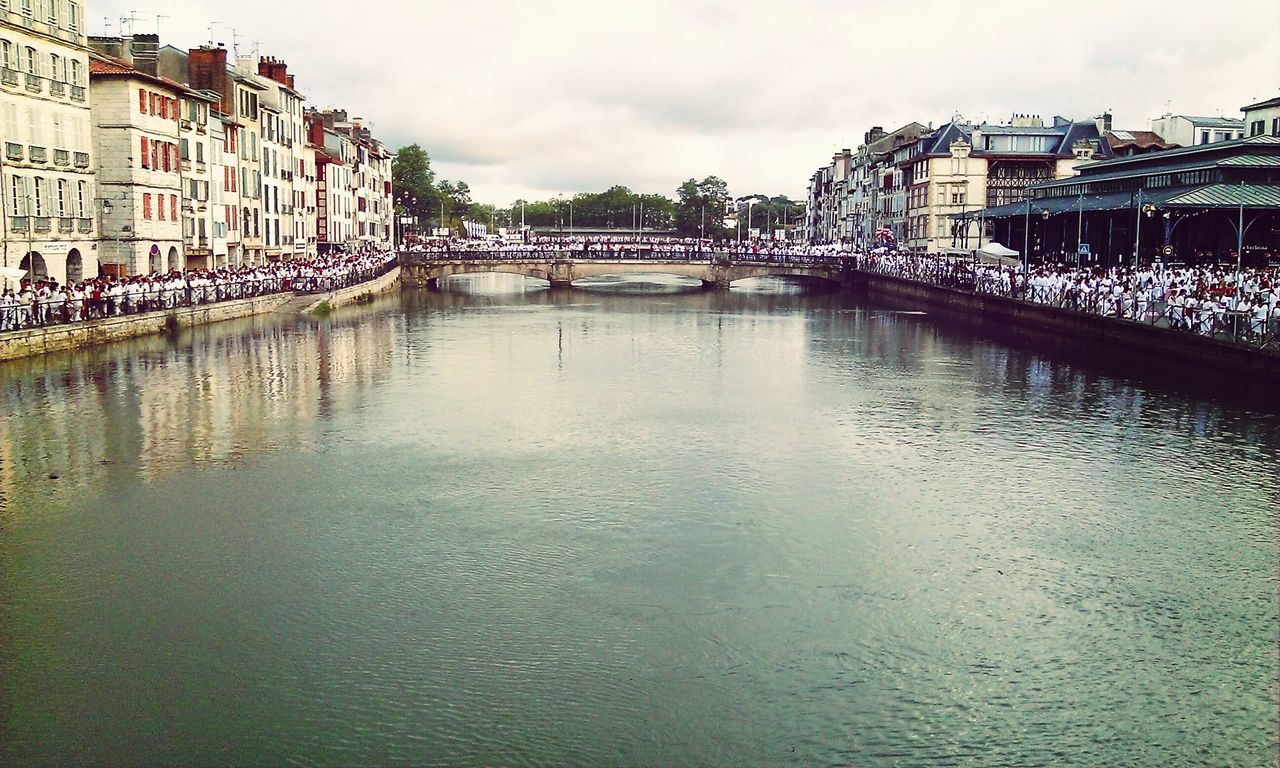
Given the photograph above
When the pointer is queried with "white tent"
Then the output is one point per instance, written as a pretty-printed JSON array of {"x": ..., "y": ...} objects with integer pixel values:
[
  {"x": 998, "y": 250},
  {"x": 12, "y": 274}
]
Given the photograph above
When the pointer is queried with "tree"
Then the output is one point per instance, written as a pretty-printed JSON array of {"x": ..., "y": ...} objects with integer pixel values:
[
  {"x": 412, "y": 178},
  {"x": 701, "y": 206}
]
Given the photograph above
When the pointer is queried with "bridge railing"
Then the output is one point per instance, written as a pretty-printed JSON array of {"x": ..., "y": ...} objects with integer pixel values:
[
  {"x": 137, "y": 298},
  {"x": 629, "y": 255}
]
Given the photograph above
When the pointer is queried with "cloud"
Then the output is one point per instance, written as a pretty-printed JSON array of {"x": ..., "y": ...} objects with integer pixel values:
[{"x": 531, "y": 99}]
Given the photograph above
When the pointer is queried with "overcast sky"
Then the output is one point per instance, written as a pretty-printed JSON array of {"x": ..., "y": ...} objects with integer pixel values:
[{"x": 537, "y": 98}]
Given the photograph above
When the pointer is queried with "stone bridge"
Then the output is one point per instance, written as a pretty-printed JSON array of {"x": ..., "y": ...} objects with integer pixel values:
[{"x": 562, "y": 268}]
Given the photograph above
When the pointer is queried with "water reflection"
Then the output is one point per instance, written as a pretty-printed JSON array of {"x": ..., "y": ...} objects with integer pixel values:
[
  {"x": 140, "y": 409},
  {"x": 757, "y": 527}
]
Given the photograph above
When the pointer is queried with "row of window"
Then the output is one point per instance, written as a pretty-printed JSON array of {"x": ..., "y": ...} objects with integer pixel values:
[
  {"x": 38, "y": 196},
  {"x": 159, "y": 155},
  {"x": 34, "y": 125},
  {"x": 55, "y": 67},
  {"x": 1210, "y": 137},
  {"x": 1259, "y": 127},
  {"x": 157, "y": 104},
  {"x": 159, "y": 206},
  {"x": 66, "y": 14}
]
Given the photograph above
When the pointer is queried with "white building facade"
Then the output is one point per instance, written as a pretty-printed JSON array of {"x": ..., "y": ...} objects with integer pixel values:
[
  {"x": 135, "y": 130},
  {"x": 48, "y": 192}
]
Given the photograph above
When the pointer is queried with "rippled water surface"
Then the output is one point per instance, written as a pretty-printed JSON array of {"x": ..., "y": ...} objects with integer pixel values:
[{"x": 627, "y": 526}]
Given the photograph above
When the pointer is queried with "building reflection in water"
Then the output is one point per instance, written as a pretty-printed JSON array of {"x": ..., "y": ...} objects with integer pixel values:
[
  {"x": 99, "y": 419},
  {"x": 939, "y": 357},
  {"x": 104, "y": 418}
]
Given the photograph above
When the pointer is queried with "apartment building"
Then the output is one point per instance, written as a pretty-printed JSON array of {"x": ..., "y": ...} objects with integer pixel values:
[{"x": 47, "y": 188}]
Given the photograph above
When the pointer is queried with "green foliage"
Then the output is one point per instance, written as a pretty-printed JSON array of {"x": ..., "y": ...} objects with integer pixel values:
[
  {"x": 323, "y": 309},
  {"x": 769, "y": 213},
  {"x": 414, "y": 182},
  {"x": 701, "y": 206}
]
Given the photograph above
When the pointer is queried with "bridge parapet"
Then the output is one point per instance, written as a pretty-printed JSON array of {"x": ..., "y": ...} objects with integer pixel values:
[{"x": 562, "y": 267}]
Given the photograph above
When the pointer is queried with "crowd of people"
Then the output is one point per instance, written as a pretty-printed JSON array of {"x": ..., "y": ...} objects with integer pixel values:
[
  {"x": 36, "y": 303},
  {"x": 1204, "y": 299},
  {"x": 1200, "y": 299}
]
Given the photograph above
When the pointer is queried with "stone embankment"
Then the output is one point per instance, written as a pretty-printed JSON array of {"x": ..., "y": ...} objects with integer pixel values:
[
  {"x": 56, "y": 338},
  {"x": 1235, "y": 366},
  {"x": 356, "y": 294}
]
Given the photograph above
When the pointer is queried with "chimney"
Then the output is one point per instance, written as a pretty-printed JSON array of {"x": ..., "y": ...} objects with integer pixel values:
[
  {"x": 208, "y": 72},
  {"x": 1104, "y": 122},
  {"x": 145, "y": 53},
  {"x": 274, "y": 69}
]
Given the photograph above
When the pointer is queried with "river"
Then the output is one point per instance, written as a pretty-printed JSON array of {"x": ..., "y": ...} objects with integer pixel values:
[{"x": 628, "y": 525}]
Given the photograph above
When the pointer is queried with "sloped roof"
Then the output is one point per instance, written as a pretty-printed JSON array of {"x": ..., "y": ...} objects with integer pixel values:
[
  {"x": 1275, "y": 102},
  {"x": 1228, "y": 196},
  {"x": 1141, "y": 139},
  {"x": 102, "y": 65},
  {"x": 1178, "y": 154},
  {"x": 1214, "y": 122}
]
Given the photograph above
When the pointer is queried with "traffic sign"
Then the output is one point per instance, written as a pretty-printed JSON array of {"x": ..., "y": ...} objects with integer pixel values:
[
  {"x": 1083, "y": 249},
  {"x": 1167, "y": 250}
]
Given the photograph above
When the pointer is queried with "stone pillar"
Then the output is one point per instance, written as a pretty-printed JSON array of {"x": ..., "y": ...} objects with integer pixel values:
[{"x": 560, "y": 275}]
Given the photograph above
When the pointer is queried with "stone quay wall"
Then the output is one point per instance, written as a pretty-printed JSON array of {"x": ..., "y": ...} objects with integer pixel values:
[
  {"x": 38, "y": 341},
  {"x": 1179, "y": 352},
  {"x": 356, "y": 294}
]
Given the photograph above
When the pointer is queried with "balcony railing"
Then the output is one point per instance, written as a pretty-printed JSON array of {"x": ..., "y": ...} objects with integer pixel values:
[
  {"x": 43, "y": 224},
  {"x": 57, "y": 89},
  {"x": 78, "y": 93},
  {"x": 61, "y": 157},
  {"x": 66, "y": 224},
  {"x": 18, "y": 223},
  {"x": 33, "y": 83},
  {"x": 9, "y": 76},
  {"x": 82, "y": 159},
  {"x": 86, "y": 225},
  {"x": 12, "y": 151},
  {"x": 39, "y": 154}
]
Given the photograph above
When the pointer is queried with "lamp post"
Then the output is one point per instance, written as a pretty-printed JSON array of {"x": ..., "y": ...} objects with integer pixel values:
[
  {"x": 1240, "y": 247},
  {"x": 1080, "y": 227},
  {"x": 1137, "y": 232}
]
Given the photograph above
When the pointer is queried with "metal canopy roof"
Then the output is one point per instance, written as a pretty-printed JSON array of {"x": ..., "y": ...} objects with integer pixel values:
[
  {"x": 1207, "y": 196},
  {"x": 1227, "y": 196}
]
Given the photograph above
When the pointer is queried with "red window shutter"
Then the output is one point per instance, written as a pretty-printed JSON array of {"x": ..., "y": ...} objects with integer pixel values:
[
  {"x": 146, "y": 205},
  {"x": 142, "y": 100},
  {"x": 173, "y": 206},
  {"x": 146, "y": 154},
  {"x": 164, "y": 158}
]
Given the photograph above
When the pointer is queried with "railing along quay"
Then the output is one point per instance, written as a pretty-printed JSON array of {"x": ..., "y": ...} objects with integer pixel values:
[
  {"x": 1253, "y": 328},
  {"x": 64, "y": 309}
]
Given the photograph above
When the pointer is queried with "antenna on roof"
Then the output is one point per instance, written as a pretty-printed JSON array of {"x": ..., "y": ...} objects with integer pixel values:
[
  {"x": 159, "y": 16},
  {"x": 106, "y": 26},
  {"x": 212, "y": 24},
  {"x": 235, "y": 43}
]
